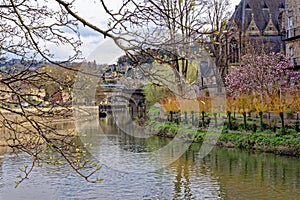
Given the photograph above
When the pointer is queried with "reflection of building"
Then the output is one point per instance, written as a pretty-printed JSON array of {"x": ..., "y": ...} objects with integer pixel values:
[
  {"x": 255, "y": 23},
  {"x": 291, "y": 34}
]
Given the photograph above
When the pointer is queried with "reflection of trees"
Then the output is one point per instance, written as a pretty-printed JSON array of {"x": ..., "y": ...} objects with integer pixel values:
[
  {"x": 129, "y": 142},
  {"x": 241, "y": 175},
  {"x": 184, "y": 172},
  {"x": 182, "y": 181},
  {"x": 259, "y": 176}
]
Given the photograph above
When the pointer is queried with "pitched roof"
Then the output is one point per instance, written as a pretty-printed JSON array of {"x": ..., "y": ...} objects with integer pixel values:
[{"x": 261, "y": 9}]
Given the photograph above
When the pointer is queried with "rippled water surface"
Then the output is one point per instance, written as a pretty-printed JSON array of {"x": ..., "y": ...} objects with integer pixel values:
[{"x": 223, "y": 174}]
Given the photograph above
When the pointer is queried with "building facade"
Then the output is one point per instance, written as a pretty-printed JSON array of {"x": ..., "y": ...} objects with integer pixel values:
[
  {"x": 291, "y": 32},
  {"x": 255, "y": 25}
]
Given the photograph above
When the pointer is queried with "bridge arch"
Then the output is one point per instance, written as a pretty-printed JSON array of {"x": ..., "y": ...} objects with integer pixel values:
[
  {"x": 134, "y": 100},
  {"x": 127, "y": 97}
]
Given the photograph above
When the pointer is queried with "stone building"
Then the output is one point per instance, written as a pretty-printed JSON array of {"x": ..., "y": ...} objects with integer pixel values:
[
  {"x": 254, "y": 24},
  {"x": 291, "y": 32}
]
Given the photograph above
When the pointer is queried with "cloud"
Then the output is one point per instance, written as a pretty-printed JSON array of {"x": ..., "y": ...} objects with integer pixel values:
[
  {"x": 93, "y": 47},
  {"x": 88, "y": 32},
  {"x": 107, "y": 52}
]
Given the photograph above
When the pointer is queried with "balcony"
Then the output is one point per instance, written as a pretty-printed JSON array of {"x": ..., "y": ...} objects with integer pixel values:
[{"x": 291, "y": 34}]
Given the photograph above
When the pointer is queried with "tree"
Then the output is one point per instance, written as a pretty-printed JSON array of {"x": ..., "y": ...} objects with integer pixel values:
[
  {"x": 173, "y": 33},
  {"x": 218, "y": 14},
  {"x": 170, "y": 105},
  {"x": 165, "y": 30},
  {"x": 261, "y": 106},
  {"x": 28, "y": 28},
  {"x": 61, "y": 80},
  {"x": 139, "y": 59},
  {"x": 264, "y": 75},
  {"x": 175, "y": 27},
  {"x": 154, "y": 93},
  {"x": 280, "y": 104},
  {"x": 230, "y": 107},
  {"x": 296, "y": 107},
  {"x": 269, "y": 77},
  {"x": 243, "y": 106}
]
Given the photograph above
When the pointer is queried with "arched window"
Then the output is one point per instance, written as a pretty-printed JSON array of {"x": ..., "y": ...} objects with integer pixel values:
[{"x": 233, "y": 51}]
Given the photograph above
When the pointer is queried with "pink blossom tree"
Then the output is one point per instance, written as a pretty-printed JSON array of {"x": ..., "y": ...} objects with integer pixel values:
[
  {"x": 268, "y": 77},
  {"x": 264, "y": 75}
]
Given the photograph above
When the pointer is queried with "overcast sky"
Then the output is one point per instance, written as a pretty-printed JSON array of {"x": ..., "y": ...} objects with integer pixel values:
[
  {"x": 235, "y": 2},
  {"x": 94, "y": 46}
]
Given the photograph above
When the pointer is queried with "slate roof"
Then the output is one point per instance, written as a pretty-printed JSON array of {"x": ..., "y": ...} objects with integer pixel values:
[{"x": 261, "y": 10}]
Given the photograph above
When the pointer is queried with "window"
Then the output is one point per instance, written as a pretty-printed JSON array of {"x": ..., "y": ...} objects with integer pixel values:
[
  {"x": 290, "y": 28},
  {"x": 291, "y": 55},
  {"x": 233, "y": 51}
]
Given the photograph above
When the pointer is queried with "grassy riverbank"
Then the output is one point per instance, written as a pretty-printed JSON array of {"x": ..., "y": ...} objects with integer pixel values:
[
  {"x": 283, "y": 145},
  {"x": 272, "y": 143}
]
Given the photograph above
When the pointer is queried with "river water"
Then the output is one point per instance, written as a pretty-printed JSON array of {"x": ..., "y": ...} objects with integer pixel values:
[{"x": 222, "y": 174}]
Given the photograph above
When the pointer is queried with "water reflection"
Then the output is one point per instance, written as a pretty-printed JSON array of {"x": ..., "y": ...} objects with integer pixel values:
[
  {"x": 223, "y": 174},
  {"x": 244, "y": 175},
  {"x": 130, "y": 153}
]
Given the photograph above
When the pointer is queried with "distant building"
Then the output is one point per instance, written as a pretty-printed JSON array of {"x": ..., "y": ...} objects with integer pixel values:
[
  {"x": 256, "y": 23},
  {"x": 291, "y": 32}
]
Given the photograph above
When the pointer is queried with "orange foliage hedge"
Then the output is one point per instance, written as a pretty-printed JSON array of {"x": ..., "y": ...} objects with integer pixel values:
[{"x": 246, "y": 103}]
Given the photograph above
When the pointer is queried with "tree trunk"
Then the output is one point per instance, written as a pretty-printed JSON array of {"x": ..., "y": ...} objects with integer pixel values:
[
  {"x": 193, "y": 119},
  {"x": 229, "y": 120},
  {"x": 282, "y": 122},
  {"x": 297, "y": 123},
  {"x": 215, "y": 118},
  {"x": 261, "y": 121},
  {"x": 203, "y": 117},
  {"x": 254, "y": 128},
  {"x": 245, "y": 120}
]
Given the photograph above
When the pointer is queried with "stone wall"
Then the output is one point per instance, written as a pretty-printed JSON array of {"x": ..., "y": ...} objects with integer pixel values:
[{"x": 292, "y": 26}]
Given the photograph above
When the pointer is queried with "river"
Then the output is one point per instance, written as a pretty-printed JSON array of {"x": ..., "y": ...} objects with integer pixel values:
[{"x": 222, "y": 174}]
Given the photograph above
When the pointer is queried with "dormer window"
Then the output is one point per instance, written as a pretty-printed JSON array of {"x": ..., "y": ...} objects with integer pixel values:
[{"x": 270, "y": 28}]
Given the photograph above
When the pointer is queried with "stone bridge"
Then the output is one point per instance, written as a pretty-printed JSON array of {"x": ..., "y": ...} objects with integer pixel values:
[{"x": 122, "y": 98}]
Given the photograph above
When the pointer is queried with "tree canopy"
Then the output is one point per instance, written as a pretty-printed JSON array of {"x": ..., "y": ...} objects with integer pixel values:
[{"x": 263, "y": 74}]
